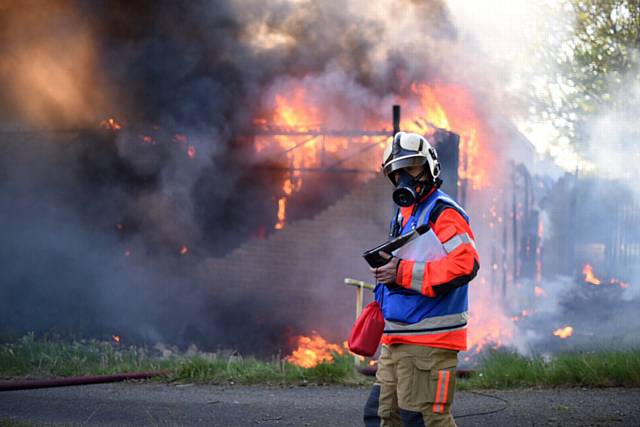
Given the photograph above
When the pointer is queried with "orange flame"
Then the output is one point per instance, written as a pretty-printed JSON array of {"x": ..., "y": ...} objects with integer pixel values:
[
  {"x": 293, "y": 113},
  {"x": 432, "y": 111},
  {"x": 564, "y": 333},
  {"x": 488, "y": 327},
  {"x": 451, "y": 107},
  {"x": 490, "y": 332},
  {"x": 184, "y": 250},
  {"x": 539, "y": 292},
  {"x": 298, "y": 122},
  {"x": 116, "y": 338},
  {"x": 288, "y": 188},
  {"x": 312, "y": 351},
  {"x": 191, "y": 151},
  {"x": 282, "y": 213},
  {"x": 110, "y": 124},
  {"x": 589, "y": 277}
]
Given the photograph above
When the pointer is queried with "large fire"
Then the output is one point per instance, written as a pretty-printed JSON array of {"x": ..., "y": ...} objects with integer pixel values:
[
  {"x": 312, "y": 351},
  {"x": 452, "y": 107},
  {"x": 294, "y": 128},
  {"x": 293, "y": 115}
]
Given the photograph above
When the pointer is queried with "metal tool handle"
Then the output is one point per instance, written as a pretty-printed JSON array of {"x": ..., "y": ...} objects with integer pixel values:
[{"x": 359, "y": 283}]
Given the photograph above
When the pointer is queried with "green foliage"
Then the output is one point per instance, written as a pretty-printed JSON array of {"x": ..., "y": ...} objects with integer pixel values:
[
  {"x": 43, "y": 358},
  {"x": 499, "y": 369},
  {"x": 590, "y": 53},
  {"x": 7, "y": 422},
  {"x": 505, "y": 369},
  {"x": 251, "y": 371}
]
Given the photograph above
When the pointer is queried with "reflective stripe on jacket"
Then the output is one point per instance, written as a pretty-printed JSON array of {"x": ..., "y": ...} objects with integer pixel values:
[{"x": 430, "y": 304}]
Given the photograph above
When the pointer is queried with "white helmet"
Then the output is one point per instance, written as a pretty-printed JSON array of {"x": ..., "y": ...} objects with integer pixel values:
[{"x": 410, "y": 149}]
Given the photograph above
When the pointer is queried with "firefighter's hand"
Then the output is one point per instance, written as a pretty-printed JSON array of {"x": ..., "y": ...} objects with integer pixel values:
[{"x": 387, "y": 273}]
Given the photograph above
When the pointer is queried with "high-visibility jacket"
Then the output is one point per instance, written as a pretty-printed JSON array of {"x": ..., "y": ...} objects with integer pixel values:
[{"x": 429, "y": 303}]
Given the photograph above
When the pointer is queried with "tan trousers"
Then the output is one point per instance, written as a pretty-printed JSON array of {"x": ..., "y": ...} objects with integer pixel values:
[{"x": 414, "y": 387}]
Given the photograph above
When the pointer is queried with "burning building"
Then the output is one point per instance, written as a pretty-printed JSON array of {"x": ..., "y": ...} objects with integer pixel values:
[{"x": 208, "y": 174}]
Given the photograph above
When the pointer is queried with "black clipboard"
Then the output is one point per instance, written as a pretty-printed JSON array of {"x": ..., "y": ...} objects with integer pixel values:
[{"x": 373, "y": 257}]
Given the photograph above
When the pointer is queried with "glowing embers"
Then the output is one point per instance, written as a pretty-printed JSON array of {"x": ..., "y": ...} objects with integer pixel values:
[
  {"x": 288, "y": 189},
  {"x": 539, "y": 292},
  {"x": 312, "y": 351},
  {"x": 282, "y": 213},
  {"x": 589, "y": 277},
  {"x": 110, "y": 124},
  {"x": 563, "y": 333},
  {"x": 182, "y": 140}
]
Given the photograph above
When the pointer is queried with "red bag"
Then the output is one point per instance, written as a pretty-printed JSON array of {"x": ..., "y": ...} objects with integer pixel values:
[{"x": 367, "y": 331}]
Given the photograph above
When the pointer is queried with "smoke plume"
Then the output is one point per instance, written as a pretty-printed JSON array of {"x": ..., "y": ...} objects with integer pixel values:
[{"x": 107, "y": 227}]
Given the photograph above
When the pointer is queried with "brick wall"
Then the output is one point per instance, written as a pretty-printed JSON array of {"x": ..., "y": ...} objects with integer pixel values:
[{"x": 299, "y": 270}]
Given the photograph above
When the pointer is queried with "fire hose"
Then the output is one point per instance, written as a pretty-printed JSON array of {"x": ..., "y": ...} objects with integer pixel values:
[{"x": 73, "y": 381}]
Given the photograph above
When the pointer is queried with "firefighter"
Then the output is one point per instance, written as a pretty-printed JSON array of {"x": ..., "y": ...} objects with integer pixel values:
[{"x": 424, "y": 303}]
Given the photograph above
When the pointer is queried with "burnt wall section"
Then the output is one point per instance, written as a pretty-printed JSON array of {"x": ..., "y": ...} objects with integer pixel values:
[{"x": 299, "y": 271}]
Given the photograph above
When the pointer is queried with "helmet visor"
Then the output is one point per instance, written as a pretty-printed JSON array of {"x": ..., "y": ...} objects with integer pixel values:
[{"x": 403, "y": 162}]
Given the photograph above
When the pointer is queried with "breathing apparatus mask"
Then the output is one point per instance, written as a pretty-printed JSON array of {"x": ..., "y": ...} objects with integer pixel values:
[
  {"x": 408, "y": 150},
  {"x": 408, "y": 188}
]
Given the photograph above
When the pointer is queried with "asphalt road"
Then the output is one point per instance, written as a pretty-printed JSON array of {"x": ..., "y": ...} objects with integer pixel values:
[{"x": 161, "y": 404}]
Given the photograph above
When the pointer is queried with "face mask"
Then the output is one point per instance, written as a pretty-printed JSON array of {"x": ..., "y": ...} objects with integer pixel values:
[{"x": 407, "y": 189}]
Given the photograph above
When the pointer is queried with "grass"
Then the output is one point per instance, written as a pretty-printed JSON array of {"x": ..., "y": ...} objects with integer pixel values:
[
  {"x": 604, "y": 368},
  {"x": 38, "y": 358},
  {"x": 8, "y": 422},
  {"x": 41, "y": 357},
  {"x": 34, "y": 357},
  {"x": 251, "y": 371}
]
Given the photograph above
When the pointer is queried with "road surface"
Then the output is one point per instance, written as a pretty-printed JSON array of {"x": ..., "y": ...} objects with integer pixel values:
[{"x": 151, "y": 403}]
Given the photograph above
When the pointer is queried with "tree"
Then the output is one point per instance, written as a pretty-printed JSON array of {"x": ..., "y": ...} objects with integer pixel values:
[{"x": 591, "y": 53}]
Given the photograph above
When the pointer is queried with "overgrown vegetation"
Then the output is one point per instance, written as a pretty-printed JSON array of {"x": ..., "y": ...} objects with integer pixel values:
[
  {"x": 588, "y": 60},
  {"x": 39, "y": 358},
  {"x": 251, "y": 371},
  {"x": 43, "y": 357},
  {"x": 8, "y": 422},
  {"x": 32, "y": 357},
  {"x": 506, "y": 369}
]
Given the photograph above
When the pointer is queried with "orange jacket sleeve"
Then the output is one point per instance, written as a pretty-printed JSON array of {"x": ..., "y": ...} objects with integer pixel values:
[{"x": 460, "y": 266}]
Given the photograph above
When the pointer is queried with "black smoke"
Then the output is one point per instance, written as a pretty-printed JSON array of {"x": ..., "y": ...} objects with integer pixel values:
[{"x": 93, "y": 220}]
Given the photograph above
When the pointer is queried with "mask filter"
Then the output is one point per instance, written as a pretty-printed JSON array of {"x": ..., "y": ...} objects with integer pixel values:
[{"x": 405, "y": 193}]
